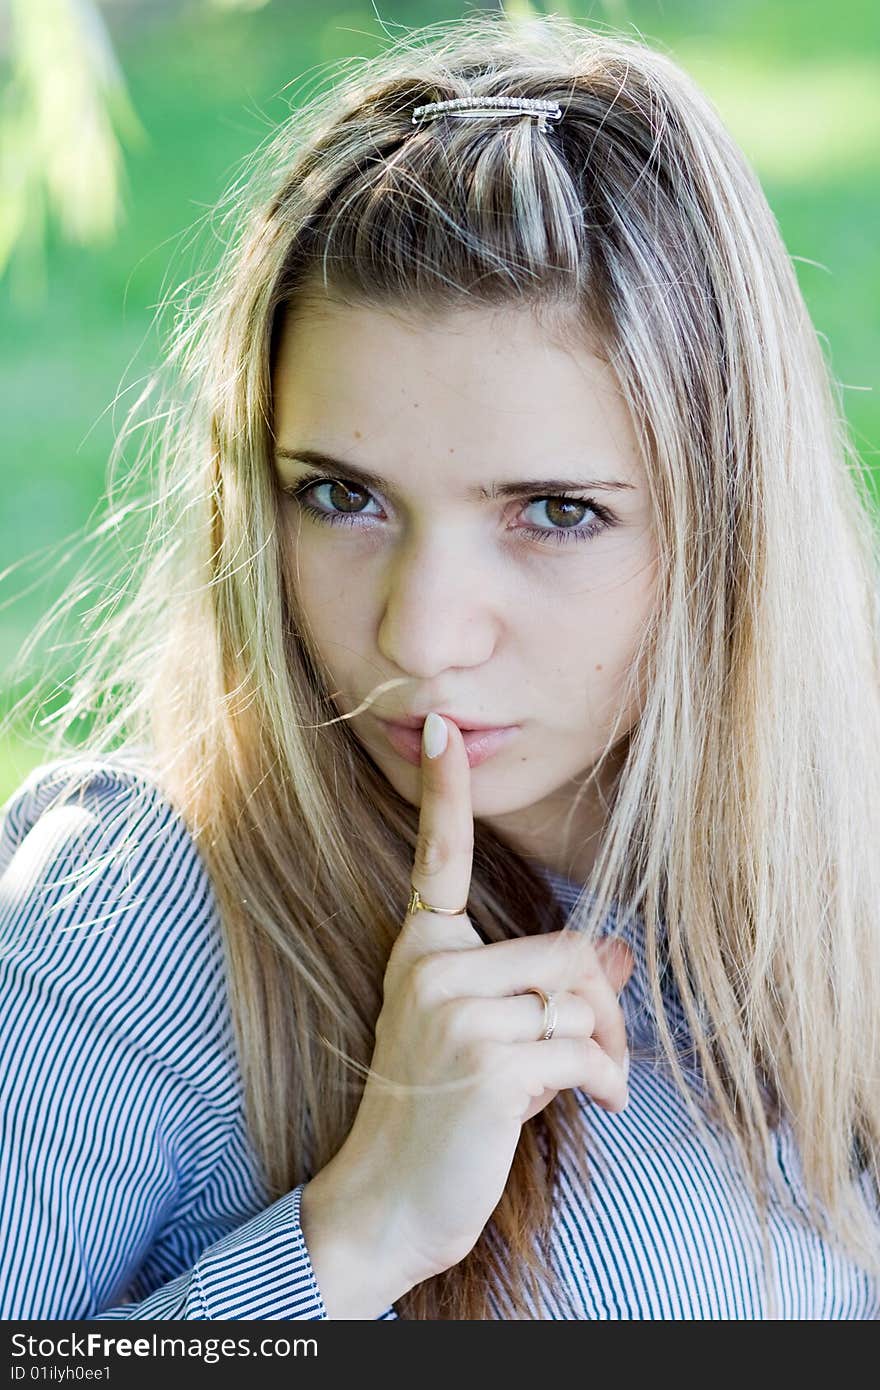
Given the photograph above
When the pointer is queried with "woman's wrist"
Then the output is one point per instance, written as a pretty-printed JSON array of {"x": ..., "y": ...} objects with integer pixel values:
[{"x": 357, "y": 1265}]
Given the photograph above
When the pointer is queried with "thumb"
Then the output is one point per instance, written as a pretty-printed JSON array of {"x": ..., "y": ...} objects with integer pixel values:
[{"x": 617, "y": 960}]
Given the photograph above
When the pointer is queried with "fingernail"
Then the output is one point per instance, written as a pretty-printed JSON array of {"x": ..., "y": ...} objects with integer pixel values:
[
  {"x": 434, "y": 735},
  {"x": 626, "y": 1064}
]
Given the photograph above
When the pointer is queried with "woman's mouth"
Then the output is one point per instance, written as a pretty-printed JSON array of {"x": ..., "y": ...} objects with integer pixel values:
[{"x": 481, "y": 744}]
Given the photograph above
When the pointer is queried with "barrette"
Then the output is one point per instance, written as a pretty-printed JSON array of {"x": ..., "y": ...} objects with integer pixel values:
[{"x": 473, "y": 108}]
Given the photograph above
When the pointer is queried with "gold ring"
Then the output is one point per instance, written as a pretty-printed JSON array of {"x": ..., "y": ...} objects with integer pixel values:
[
  {"x": 418, "y": 904},
  {"x": 551, "y": 1014}
]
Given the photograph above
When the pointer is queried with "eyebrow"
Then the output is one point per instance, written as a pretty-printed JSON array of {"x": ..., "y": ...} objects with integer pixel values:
[{"x": 480, "y": 492}]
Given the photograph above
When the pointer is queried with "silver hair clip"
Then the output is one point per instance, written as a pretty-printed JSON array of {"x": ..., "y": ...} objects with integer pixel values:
[{"x": 473, "y": 108}]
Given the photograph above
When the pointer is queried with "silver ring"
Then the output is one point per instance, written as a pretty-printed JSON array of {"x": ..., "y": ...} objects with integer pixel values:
[{"x": 551, "y": 1014}]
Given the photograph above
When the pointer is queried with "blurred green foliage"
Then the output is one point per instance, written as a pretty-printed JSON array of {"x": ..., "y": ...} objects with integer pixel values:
[
  {"x": 64, "y": 109},
  {"x": 799, "y": 86}
]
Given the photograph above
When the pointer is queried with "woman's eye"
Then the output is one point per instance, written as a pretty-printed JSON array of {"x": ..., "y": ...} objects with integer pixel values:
[
  {"x": 340, "y": 494},
  {"x": 569, "y": 518}
]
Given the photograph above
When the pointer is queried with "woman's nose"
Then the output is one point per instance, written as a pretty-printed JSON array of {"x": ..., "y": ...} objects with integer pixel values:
[{"x": 440, "y": 608}]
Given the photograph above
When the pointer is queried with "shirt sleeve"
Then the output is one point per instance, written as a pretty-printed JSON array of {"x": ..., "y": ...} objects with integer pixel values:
[{"x": 128, "y": 1189}]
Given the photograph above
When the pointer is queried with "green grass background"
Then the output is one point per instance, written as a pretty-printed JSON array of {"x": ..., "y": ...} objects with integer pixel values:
[{"x": 799, "y": 86}]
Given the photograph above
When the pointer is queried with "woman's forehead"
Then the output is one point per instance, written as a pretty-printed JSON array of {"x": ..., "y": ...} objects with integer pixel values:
[{"x": 472, "y": 382}]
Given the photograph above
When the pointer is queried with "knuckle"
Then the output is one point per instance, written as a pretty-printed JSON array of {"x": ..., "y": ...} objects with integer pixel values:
[
  {"x": 436, "y": 848},
  {"x": 589, "y": 956},
  {"x": 427, "y": 980},
  {"x": 456, "y": 1023},
  {"x": 576, "y": 956},
  {"x": 433, "y": 850}
]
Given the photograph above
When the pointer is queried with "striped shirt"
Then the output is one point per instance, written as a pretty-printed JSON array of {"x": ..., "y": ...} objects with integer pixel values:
[{"x": 129, "y": 1188}]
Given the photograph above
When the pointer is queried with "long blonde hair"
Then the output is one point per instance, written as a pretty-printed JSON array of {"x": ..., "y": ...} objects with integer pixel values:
[{"x": 746, "y": 817}]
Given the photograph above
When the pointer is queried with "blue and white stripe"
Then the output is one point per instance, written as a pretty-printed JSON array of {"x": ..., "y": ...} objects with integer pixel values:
[{"x": 129, "y": 1188}]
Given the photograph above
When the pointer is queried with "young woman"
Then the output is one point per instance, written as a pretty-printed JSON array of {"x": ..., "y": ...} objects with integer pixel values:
[{"x": 503, "y": 407}]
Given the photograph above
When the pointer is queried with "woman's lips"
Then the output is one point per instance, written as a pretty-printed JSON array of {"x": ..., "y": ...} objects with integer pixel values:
[{"x": 480, "y": 743}]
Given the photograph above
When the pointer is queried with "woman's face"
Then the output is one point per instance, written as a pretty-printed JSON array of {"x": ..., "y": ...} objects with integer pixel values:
[{"x": 520, "y": 608}]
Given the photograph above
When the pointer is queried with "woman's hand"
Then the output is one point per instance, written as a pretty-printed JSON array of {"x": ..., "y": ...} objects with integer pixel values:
[{"x": 458, "y": 1066}]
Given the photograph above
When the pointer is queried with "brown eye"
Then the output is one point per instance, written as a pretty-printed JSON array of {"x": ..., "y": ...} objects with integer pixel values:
[
  {"x": 343, "y": 496},
  {"x": 565, "y": 511},
  {"x": 566, "y": 515}
]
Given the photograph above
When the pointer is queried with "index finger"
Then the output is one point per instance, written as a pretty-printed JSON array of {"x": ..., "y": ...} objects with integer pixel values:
[{"x": 444, "y": 854}]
